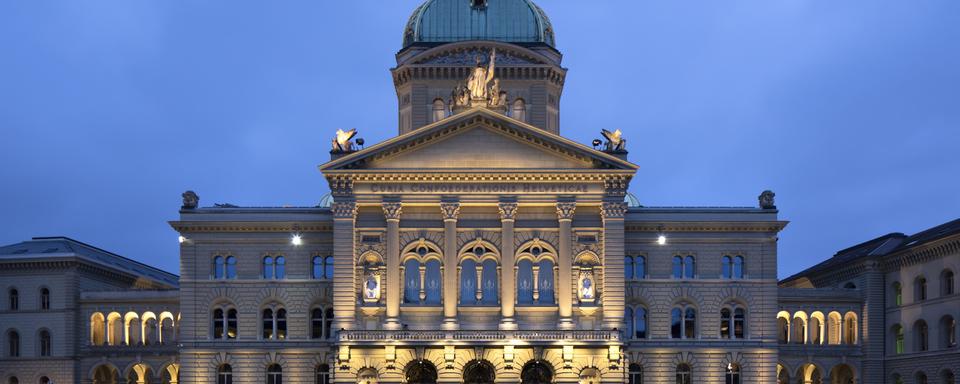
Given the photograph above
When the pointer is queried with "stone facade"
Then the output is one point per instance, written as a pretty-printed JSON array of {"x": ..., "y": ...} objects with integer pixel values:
[{"x": 480, "y": 246}]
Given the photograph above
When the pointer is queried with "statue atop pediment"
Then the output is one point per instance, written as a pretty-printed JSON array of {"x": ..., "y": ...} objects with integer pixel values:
[{"x": 480, "y": 89}]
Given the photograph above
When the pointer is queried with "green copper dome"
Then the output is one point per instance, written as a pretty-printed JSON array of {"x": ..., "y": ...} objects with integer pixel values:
[{"x": 511, "y": 21}]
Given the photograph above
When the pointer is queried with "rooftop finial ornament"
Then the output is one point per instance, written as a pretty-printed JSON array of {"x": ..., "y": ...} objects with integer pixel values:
[
  {"x": 615, "y": 141},
  {"x": 190, "y": 200},
  {"x": 766, "y": 200},
  {"x": 342, "y": 142}
]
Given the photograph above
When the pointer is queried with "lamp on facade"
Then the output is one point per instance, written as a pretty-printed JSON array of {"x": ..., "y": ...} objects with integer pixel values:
[
  {"x": 181, "y": 239},
  {"x": 661, "y": 236},
  {"x": 296, "y": 240}
]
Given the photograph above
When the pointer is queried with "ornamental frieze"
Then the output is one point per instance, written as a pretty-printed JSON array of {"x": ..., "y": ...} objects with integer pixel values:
[{"x": 477, "y": 188}]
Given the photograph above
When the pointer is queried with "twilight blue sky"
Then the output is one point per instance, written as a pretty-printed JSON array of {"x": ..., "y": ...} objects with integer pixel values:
[{"x": 109, "y": 109}]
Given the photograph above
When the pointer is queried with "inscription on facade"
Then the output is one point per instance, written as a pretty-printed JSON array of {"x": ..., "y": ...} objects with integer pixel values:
[{"x": 479, "y": 188}]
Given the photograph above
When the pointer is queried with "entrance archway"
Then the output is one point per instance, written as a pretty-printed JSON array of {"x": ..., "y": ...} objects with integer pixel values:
[
  {"x": 106, "y": 374},
  {"x": 841, "y": 374},
  {"x": 809, "y": 374},
  {"x": 536, "y": 372},
  {"x": 421, "y": 372},
  {"x": 479, "y": 372}
]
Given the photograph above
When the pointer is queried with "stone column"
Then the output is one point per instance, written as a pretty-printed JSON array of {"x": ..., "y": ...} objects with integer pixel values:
[
  {"x": 450, "y": 212},
  {"x": 565, "y": 212},
  {"x": 508, "y": 292},
  {"x": 391, "y": 211},
  {"x": 613, "y": 252},
  {"x": 344, "y": 283}
]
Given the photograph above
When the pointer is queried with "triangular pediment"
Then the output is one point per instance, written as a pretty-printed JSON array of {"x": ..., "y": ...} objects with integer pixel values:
[{"x": 478, "y": 140}]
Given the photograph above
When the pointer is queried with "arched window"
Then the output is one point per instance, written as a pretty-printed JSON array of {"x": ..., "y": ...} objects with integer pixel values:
[
  {"x": 946, "y": 282},
  {"x": 920, "y": 288},
  {"x": 323, "y": 374},
  {"x": 328, "y": 267},
  {"x": 321, "y": 323},
  {"x": 921, "y": 378},
  {"x": 689, "y": 267},
  {"x": 439, "y": 110},
  {"x": 783, "y": 330},
  {"x": 947, "y": 377},
  {"x": 732, "y": 322},
  {"x": 14, "y": 380},
  {"x": 684, "y": 267},
  {"x": 640, "y": 323},
  {"x": 420, "y": 372},
  {"x": 231, "y": 267},
  {"x": 897, "y": 379},
  {"x": 268, "y": 267},
  {"x": 799, "y": 327},
  {"x": 726, "y": 264},
  {"x": 922, "y": 332},
  {"x": 834, "y": 322},
  {"x": 683, "y": 322},
  {"x": 535, "y": 274},
  {"x": 640, "y": 267},
  {"x": 14, "y": 299},
  {"x": 224, "y": 323},
  {"x": 519, "y": 110},
  {"x": 274, "y": 320},
  {"x": 45, "y": 299},
  {"x": 97, "y": 329},
  {"x": 635, "y": 374},
  {"x": 628, "y": 267},
  {"x": 546, "y": 283},
  {"x": 45, "y": 343},
  {"x": 13, "y": 344},
  {"x": 274, "y": 374},
  {"x": 897, "y": 293},
  {"x": 948, "y": 330},
  {"x": 469, "y": 289},
  {"x": 733, "y": 374},
  {"x": 536, "y": 372},
  {"x": 149, "y": 325},
  {"x": 421, "y": 274},
  {"x": 225, "y": 374},
  {"x": 281, "y": 267},
  {"x": 898, "y": 339},
  {"x": 738, "y": 267},
  {"x": 44, "y": 380},
  {"x": 849, "y": 285},
  {"x": 850, "y": 332},
  {"x": 525, "y": 282},
  {"x": 317, "y": 267},
  {"x": 684, "y": 374},
  {"x": 219, "y": 267},
  {"x": 816, "y": 328},
  {"x": 491, "y": 283}
]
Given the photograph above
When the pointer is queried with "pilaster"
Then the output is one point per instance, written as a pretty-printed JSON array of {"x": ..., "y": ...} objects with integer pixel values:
[
  {"x": 392, "y": 211},
  {"x": 565, "y": 211},
  {"x": 613, "y": 252},
  {"x": 508, "y": 212},
  {"x": 450, "y": 212},
  {"x": 344, "y": 282}
]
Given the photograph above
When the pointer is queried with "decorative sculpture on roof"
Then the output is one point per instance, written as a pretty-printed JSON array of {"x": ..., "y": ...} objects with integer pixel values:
[
  {"x": 342, "y": 142},
  {"x": 615, "y": 141},
  {"x": 481, "y": 89},
  {"x": 480, "y": 77},
  {"x": 766, "y": 200},
  {"x": 190, "y": 200}
]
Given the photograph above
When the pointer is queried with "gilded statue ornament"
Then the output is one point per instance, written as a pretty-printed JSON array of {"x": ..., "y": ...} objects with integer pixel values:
[
  {"x": 342, "y": 142},
  {"x": 615, "y": 141}
]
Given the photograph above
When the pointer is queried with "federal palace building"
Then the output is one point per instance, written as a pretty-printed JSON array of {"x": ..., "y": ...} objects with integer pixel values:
[{"x": 479, "y": 245}]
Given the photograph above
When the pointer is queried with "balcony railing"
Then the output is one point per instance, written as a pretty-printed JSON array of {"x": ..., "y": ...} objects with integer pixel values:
[{"x": 521, "y": 337}]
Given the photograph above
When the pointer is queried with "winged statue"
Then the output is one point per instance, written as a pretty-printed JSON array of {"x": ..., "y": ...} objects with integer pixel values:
[
  {"x": 342, "y": 142},
  {"x": 615, "y": 140}
]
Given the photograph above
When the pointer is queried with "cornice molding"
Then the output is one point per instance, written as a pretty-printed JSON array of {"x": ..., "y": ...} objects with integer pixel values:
[
  {"x": 206, "y": 227},
  {"x": 700, "y": 226}
]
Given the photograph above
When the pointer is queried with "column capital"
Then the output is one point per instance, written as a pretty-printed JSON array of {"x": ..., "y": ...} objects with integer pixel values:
[
  {"x": 508, "y": 211},
  {"x": 344, "y": 209},
  {"x": 450, "y": 211},
  {"x": 565, "y": 210},
  {"x": 613, "y": 210},
  {"x": 392, "y": 211}
]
